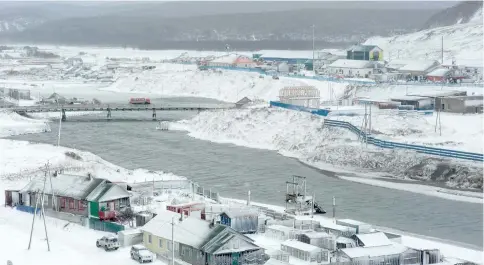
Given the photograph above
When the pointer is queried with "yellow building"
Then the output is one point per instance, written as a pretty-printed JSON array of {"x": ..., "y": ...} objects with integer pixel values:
[{"x": 197, "y": 241}]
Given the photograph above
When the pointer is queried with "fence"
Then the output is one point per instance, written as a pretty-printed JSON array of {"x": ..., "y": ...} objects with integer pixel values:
[
  {"x": 27, "y": 209},
  {"x": 105, "y": 226},
  {"x": 391, "y": 145},
  {"x": 320, "y": 112}
]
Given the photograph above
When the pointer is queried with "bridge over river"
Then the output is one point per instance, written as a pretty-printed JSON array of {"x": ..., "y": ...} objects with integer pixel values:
[{"x": 120, "y": 107}]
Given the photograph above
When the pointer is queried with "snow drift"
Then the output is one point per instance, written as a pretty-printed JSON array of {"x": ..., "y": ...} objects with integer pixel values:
[
  {"x": 303, "y": 136},
  {"x": 186, "y": 80},
  {"x": 461, "y": 41}
]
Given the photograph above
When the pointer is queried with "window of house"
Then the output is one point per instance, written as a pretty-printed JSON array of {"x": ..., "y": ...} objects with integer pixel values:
[
  {"x": 236, "y": 243},
  {"x": 169, "y": 244},
  {"x": 81, "y": 206},
  {"x": 63, "y": 203},
  {"x": 71, "y": 203},
  {"x": 160, "y": 243},
  {"x": 149, "y": 239},
  {"x": 46, "y": 199}
]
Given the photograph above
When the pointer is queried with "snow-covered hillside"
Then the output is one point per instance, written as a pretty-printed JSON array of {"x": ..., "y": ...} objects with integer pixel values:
[
  {"x": 14, "y": 124},
  {"x": 186, "y": 80},
  {"x": 303, "y": 136},
  {"x": 461, "y": 41}
]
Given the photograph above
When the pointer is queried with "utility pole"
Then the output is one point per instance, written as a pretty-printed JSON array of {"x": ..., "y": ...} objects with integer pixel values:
[
  {"x": 442, "y": 49},
  {"x": 42, "y": 212},
  {"x": 437, "y": 118},
  {"x": 173, "y": 240},
  {"x": 60, "y": 121},
  {"x": 313, "y": 48},
  {"x": 334, "y": 209}
]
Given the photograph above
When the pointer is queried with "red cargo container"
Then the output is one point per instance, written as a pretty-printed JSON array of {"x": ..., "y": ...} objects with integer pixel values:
[{"x": 139, "y": 101}]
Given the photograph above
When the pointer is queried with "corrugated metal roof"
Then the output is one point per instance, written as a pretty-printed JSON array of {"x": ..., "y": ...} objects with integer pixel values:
[
  {"x": 345, "y": 63},
  {"x": 72, "y": 186},
  {"x": 373, "y": 239},
  {"x": 370, "y": 252},
  {"x": 362, "y": 48}
]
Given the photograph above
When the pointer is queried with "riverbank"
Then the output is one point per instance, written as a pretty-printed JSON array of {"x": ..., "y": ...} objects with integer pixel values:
[{"x": 303, "y": 136}]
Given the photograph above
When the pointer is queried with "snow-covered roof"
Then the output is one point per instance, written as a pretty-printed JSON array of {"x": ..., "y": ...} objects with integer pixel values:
[
  {"x": 373, "y": 239},
  {"x": 351, "y": 222},
  {"x": 338, "y": 227},
  {"x": 72, "y": 186},
  {"x": 408, "y": 98},
  {"x": 438, "y": 93},
  {"x": 300, "y": 245},
  {"x": 107, "y": 192},
  {"x": 281, "y": 228},
  {"x": 418, "y": 66},
  {"x": 227, "y": 59},
  {"x": 439, "y": 72},
  {"x": 344, "y": 240},
  {"x": 286, "y": 54},
  {"x": 369, "y": 252},
  {"x": 314, "y": 234},
  {"x": 473, "y": 102},
  {"x": 345, "y": 63},
  {"x": 191, "y": 231},
  {"x": 234, "y": 213},
  {"x": 362, "y": 48}
]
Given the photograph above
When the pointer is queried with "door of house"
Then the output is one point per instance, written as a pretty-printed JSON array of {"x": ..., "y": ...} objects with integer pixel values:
[
  {"x": 235, "y": 258},
  {"x": 111, "y": 206}
]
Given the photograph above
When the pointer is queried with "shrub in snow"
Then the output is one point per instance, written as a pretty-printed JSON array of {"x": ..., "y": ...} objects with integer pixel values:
[{"x": 73, "y": 155}]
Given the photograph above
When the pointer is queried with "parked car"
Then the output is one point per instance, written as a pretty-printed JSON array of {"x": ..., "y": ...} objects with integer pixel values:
[
  {"x": 141, "y": 254},
  {"x": 108, "y": 243},
  {"x": 275, "y": 77}
]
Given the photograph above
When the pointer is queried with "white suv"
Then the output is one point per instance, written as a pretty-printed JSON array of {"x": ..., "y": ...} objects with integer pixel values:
[
  {"x": 141, "y": 254},
  {"x": 108, "y": 243}
]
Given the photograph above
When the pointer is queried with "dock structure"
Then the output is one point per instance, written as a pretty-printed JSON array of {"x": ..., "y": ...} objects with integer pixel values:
[{"x": 119, "y": 107}]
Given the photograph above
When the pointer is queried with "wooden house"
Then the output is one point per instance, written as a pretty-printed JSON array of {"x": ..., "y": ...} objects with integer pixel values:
[
  {"x": 439, "y": 75},
  {"x": 198, "y": 242},
  {"x": 305, "y": 251},
  {"x": 318, "y": 239},
  {"x": 351, "y": 68},
  {"x": 245, "y": 221},
  {"x": 365, "y": 53},
  {"x": 79, "y": 195},
  {"x": 416, "y": 70},
  {"x": 389, "y": 254},
  {"x": 187, "y": 208}
]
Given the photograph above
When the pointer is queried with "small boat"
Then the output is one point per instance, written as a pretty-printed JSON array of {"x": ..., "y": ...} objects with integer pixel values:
[{"x": 163, "y": 126}]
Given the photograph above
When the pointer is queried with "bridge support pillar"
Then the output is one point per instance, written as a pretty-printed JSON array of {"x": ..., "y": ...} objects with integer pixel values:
[
  {"x": 64, "y": 116},
  {"x": 108, "y": 116},
  {"x": 154, "y": 115}
]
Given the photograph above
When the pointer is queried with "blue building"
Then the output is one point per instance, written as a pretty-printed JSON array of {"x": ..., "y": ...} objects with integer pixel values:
[{"x": 244, "y": 221}]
